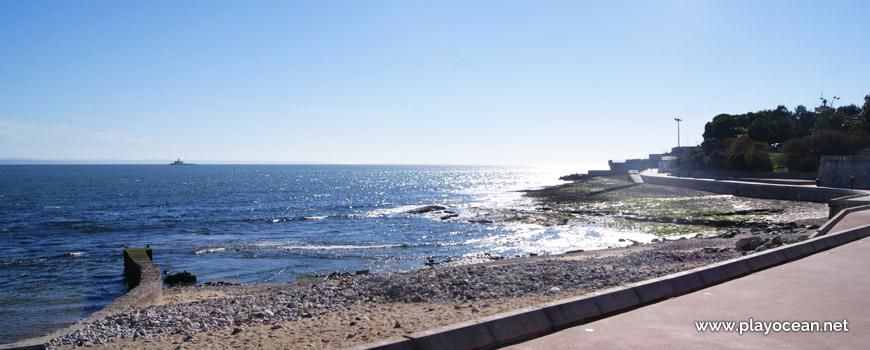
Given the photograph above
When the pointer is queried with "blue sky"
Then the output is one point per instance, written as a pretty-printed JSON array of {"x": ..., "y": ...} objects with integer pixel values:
[{"x": 408, "y": 82}]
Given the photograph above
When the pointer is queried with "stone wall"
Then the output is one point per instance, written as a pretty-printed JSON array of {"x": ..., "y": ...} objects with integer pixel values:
[
  {"x": 754, "y": 190},
  {"x": 834, "y": 171},
  {"x": 706, "y": 174},
  {"x": 147, "y": 289}
]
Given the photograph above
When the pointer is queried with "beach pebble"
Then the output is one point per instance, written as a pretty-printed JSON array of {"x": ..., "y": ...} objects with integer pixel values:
[{"x": 462, "y": 285}]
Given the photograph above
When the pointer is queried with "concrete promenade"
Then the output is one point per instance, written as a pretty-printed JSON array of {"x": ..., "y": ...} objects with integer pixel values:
[{"x": 831, "y": 285}]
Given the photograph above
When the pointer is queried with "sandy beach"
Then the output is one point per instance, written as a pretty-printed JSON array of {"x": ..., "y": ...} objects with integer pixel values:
[{"x": 343, "y": 311}]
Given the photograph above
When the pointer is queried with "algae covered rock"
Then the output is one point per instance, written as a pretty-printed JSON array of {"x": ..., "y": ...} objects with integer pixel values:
[{"x": 180, "y": 278}]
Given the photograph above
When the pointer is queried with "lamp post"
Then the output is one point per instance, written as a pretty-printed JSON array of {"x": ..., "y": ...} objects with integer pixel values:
[{"x": 678, "y": 120}]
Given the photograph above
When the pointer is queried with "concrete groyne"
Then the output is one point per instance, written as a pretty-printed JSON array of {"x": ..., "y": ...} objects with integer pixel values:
[{"x": 146, "y": 285}]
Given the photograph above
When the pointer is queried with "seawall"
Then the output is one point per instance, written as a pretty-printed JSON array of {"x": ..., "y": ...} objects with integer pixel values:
[
  {"x": 147, "y": 289},
  {"x": 743, "y": 174},
  {"x": 754, "y": 189}
]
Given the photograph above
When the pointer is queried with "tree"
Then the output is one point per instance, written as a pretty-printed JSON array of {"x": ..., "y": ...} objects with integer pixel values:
[
  {"x": 806, "y": 121},
  {"x": 852, "y": 116},
  {"x": 804, "y": 154},
  {"x": 725, "y": 126},
  {"x": 746, "y": 154},
  {"x": 771, "y": 126},
  {"x": 865, "y": 113}
]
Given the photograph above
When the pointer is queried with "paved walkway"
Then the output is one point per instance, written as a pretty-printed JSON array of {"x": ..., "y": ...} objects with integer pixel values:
[{"x": 829, "y": 286}]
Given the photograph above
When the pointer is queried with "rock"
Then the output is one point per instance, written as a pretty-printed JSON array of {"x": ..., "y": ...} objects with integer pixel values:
[
  {"x": 237, "y": 330},
  {"x": 729, "y": 234},
  {"x": 397, "y": 325},
  {"x": 180, "y": 278},
  {"x": 450, "y": 216},
  {"x": 747, "y": 244},
  {"x": 351, "y": 335},
  {"x": 426, "y": 209},
  {"x": 776, "y": 240},
  {"x": 277, "y": 326},
  {"x": 761, "y": 248}
]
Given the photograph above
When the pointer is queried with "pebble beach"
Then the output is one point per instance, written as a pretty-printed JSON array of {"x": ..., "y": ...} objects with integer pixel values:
[{"x": 343, "y": 310}]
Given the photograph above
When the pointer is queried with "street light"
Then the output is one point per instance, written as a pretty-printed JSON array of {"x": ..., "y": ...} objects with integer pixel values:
[{"x": 678, "y": 131}]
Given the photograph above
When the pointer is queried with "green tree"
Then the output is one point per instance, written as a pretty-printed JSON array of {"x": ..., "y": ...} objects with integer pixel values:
[
  {"x": 806, "y": 121},
  {"x": 745, "y": 154},
  {"x": 772, "y": 126},
  {"x": 725, "y": 126},
  {"x": 865, "y": 113},
  {"x": 804, "y": 154}
]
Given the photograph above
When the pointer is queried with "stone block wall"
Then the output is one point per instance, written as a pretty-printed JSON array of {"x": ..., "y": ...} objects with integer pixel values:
[{"x": 834, "y": 171}]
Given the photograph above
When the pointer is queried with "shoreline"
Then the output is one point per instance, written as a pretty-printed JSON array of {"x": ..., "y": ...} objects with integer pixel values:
[
  {"x": 364, "y": 313},
  {"x": 350, "y": 311}
]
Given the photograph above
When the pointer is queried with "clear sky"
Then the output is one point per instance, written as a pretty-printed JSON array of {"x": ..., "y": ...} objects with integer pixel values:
[{"x": 409, "y": 82}]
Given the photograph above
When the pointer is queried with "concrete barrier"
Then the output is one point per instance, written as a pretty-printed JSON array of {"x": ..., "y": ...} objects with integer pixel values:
[
  {"x": 653, "y": 290},
  {"x": 146, "y": 289},
  {"x": 753, "y": 190},
  {"x": 518, "y": 324},
  {"x": 388, "y": 344},
  {"x": 838, "y": 216},
  {"x": 465, "y": 335},
  {"x": 567, "y": 312},
  {"x": 720, "y": 175},
  {"x": 836, "y": 205}
]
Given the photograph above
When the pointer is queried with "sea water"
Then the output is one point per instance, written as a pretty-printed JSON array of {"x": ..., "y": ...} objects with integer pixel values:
[{"x": 63, "y": 227}]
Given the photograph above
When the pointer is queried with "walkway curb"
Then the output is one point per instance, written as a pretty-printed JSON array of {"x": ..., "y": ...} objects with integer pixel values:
[
  {"x": 525, "y": 324},
  {"x": 833, "y": 221}
]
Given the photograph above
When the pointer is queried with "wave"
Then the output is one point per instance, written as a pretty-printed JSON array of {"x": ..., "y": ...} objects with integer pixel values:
[
  {"x": 209, "y": 250},
  {"x": 391, "y": 211},
  {"x": 266, "y": 246},
  {"x": 404, "y": 209},
  {"x": 45, "y": 258},
  {"x": 289, "y": 219},
  {"x": 343, "y": 247}
]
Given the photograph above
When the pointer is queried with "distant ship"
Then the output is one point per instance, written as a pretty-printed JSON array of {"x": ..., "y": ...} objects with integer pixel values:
[{"x": 179, "y": 162}]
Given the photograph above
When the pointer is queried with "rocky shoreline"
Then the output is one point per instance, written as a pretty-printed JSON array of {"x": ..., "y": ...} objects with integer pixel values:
[{"x": 342, "y": 311}]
